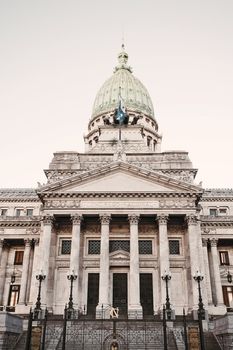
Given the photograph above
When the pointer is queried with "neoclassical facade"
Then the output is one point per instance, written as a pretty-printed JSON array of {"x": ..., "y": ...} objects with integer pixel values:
[{"x": 120, "y": 216}]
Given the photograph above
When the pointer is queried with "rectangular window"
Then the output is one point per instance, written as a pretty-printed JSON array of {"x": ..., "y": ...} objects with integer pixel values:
[
  {"x": 115, "y": 245},
  {"x": 13, "y": 295},
  {"x": 224, "y": 258},
  {"x": 213, "y": 212},
  {"x": 66, "y": 246},
  {"x": 3, "y": 212},
  {"x": 145, "y": 247},
  {"x": 19, "y": 212},
  {"x": 29, "y": 212},
  {"x": 174, "y": 247},
  {"x": 222, "y": 211},
  {"x": 18, "y": 257},
  {"x": 93, "y": 247},
  {"x": 228, "y": 296}
]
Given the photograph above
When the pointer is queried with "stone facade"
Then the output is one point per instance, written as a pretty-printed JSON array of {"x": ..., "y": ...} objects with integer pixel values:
[{"x": 120, "y": 216}]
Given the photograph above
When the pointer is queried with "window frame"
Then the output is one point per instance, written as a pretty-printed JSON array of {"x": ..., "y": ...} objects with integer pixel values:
[
  {"x": 224, "y": 253},
  {"x": 61, "y": 243},
  {"x": 180, "y": 246},
  {"x": 18, "y": 260}
]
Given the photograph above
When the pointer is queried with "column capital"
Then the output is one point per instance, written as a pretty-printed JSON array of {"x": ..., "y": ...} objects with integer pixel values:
[
  {"x": 133, "y": 219},
  {"x": 48, "y": 219},
  {"x": 191, "y": 219},
  {"x": 205, "y": 242},
  {"x": 162, "y": 219},
  {"x": 36, "y": 241},
  {"x": 28, "y": 242},
  {"x": 105, "y": 219},
  {"x": 213, "y": 242},
  {"x": 1, "y": 242},
  {"x": 76, "y": 219}
]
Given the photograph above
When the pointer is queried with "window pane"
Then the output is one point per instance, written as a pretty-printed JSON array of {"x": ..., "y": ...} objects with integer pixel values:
[
  {"x": 29, "y": 212},
  {"x": 66, "y": 246},
  {"x": 145, "y": 247},
  {"x": 119, "y": 245},
  {"x": 93, "y": 247},
  {"x": 3, "y": 212},
  {"x": 174, "y": 246},
  {"x": 18, "y": 257},
  {"x": 213, "y": 212},
  {"x": 224, "y": 258}
]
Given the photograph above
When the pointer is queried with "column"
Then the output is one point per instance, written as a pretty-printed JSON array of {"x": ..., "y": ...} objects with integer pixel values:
[
  {"x": 44, "y": 247},
  {"x": 134, "y": 308},
  {"x": 163, "y": 253},
  {"x": 1, "y": 247},
  {"x": 5, "y": 251},
  {"x": 217, "y": 277},
  {"x": 194, "y": 263},
  {"x": 24, "y": 277},
  {"x": 75, "y": 252},
  {"x": 104, "y": 268},
  {"x": 207, "y": 271},
  {"x": 35, "y": 267}
]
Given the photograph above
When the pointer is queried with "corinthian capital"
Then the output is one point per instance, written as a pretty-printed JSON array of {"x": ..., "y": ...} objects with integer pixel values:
[
  {"x": 191, "y": 219},
  {"x": 162, "y": 219},
  {"x": 133, "y": 219},
  {"x": 47, "y": 219},
  {"x": 213, "y": 242},
  {"x": 105, "y": 219},
  {"x": 76, "y": 219}
]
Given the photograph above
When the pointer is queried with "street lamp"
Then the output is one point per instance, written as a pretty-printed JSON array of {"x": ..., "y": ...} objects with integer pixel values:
[
  {"x": 229, "y": 277},
  {"x": 201, "y": 311},
  {"x": 13, "y": 277},
  {"x": 166, "y": 277},
  {"x": 72, "y": 276},
  {"x": 40, "y": 277}
]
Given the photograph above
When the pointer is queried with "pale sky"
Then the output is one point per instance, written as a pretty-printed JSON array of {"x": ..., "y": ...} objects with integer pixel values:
[{"x": 55, "y": 55}]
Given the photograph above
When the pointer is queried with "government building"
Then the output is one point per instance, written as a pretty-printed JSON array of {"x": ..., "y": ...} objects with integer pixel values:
[{"x": 125, "y": 221}]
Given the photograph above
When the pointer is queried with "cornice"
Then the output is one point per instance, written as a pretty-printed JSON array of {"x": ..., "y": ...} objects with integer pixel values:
[{"x": 23, "y": 221}]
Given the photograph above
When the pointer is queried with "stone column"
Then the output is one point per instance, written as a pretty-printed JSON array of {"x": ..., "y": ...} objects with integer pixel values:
[
  {"x": 163, "y": 253},
  {"x": 35, "y": 268},
  {"x": 5, "y": 251},
  {"x": 44, "y": 247},
  {"x": 134, "y": 308},
  {"x": 194, "y": 263},
  {"x": 207, "y": 271},
  {"x": 217, "y": 277},
  {"x": 1, "y": 247},
  {"x": 103, "y": 304},
  {"x": 75, "y": 252},
  {"x": 24, "y": 277}
]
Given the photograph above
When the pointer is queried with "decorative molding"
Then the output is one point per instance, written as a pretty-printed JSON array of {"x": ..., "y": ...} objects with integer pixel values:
[
  {"x": 105, "y": 219},
  {"x": 62, "y": 204},
  {"x": 182, "y": 203},
  {"x": 162, "y": 219},
  {"x": 32, "y": 231},
  {"x": 119, "y": 204},
  {"x": 133, "y": 219}
]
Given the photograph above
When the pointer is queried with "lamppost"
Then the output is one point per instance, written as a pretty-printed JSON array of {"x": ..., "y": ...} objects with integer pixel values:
[
  {"x": 72, "y": 276},
  {"x": 13, "y": 277},
  {"x": 201, "y": 311},
  {"x": 167, "y": 277},
  {"x": 229, "y": 277},
  {"x": 40, "y": 277}
]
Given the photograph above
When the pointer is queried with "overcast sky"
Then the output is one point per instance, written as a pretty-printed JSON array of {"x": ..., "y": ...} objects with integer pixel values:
[{"x": 55, "y": 55}]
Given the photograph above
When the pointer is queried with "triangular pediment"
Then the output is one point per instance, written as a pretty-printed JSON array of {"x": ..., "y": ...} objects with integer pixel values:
[
  {"x": 120, "y": 177},
  {"x": 119, "y": 255}
]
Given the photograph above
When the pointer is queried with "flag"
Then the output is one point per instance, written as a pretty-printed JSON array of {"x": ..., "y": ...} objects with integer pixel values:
[{"x": 121, "y": 113}]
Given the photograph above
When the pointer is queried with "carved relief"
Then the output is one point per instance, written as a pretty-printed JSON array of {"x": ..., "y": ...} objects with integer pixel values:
[
  {"x": 177, "y": 203},
  {"x": 119, "y": 204},
  {"x": 70, "y": 203}
]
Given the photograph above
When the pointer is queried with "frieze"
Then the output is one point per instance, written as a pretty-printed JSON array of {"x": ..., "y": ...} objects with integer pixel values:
[
  {"x": 108, "y": 204},
  {"x": 70, "y": 204},
  {"x": 185, "y": 203}
]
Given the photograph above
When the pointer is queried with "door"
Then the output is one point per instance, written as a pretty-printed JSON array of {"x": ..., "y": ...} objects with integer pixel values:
[
  {"x": 146, "y": 294},
  {"x": 120, "y": 293},
  {"x": 93, "y": 294}
]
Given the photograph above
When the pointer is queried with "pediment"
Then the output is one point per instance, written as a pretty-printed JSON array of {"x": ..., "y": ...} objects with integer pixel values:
[
  {"x": 119, "y": 255},
  {"x": 119, "y": 177}
]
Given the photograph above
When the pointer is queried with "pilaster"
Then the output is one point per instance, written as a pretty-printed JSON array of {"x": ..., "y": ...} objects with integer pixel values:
[{"x": 75, "y": 252}]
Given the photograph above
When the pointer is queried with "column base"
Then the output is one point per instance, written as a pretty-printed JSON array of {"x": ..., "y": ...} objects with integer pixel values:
[
  {"x": 103, "y": 311},
  {"x": 135, "y": 312}
]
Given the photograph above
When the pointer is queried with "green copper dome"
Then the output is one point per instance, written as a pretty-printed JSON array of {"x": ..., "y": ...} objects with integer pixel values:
[{"x": 135, "y": 95}]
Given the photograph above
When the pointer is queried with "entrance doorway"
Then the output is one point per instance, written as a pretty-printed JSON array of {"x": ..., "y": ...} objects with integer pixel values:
[
  {"x": 120, "y": 293},
  {"x": 93, "y": 293},
  {"x": 146, "y": 294}
]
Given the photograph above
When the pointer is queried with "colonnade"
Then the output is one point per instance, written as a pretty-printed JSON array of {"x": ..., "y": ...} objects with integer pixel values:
[{"x": 198, "y": 260}]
